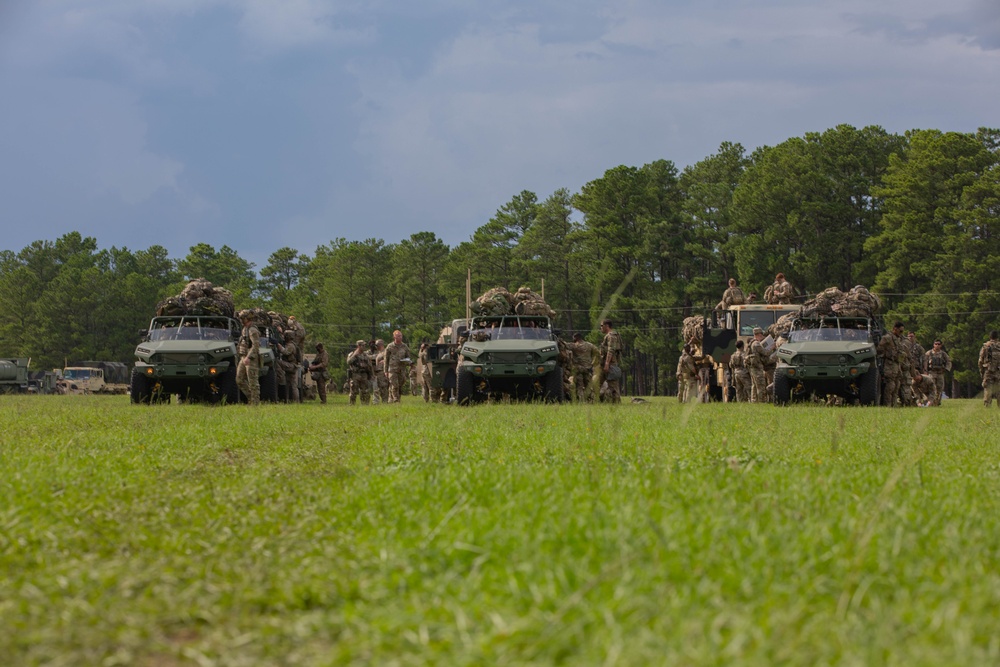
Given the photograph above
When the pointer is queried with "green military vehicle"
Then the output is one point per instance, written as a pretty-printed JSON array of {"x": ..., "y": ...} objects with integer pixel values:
[
  {"x": 829, "y": 355},
  {"x": 14, "y": 376},
  {"x": 442, "y": 357},
  {"x": 509, "y": 356},
  {"x": 195, "y": 357}
]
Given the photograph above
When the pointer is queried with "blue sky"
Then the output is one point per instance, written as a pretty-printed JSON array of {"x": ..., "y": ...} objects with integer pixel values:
[{"x": 259, "y": 124}]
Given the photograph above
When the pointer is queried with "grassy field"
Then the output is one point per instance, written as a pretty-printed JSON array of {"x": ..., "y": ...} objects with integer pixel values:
[{"x": 639, "y": 534}]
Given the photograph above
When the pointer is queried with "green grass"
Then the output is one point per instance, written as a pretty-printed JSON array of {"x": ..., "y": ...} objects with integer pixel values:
[{"x": 639, "y": 534}]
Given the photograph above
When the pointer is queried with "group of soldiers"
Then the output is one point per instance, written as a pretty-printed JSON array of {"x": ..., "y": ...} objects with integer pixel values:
[
  {"x": 288, "y": 347},
  {"x": 911, "y": 375},
  {"x": 376, "y": 372}
]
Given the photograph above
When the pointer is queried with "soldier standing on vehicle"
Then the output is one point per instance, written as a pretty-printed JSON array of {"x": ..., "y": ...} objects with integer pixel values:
[
  {"x": 741, "y": 376},
  {"x": 733, "y": 296},
  {"x": 611, "y": 354},
  {"x": 938, "y": 363},
  {"x": 781, "y": 291},
  {"x": 584, "y": 355},
  {"x": 687, "y": 375},
  {"x": 361, "y": 372},
  {"x": 248, "y": 368},
  {"x": 319, "y": 372},
  {"x": 890, "y": 348},
  {"x": 989, "y": 366},
  {"x": 397, "y": 359},
  {"x": 755, "y": 365}
]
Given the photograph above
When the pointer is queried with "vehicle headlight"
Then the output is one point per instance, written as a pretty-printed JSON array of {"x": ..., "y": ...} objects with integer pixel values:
[
  {"x": 142, "y": 350},
  {"x": 470, "y": 350},
  {"x": 221, "y": 350},
  {"x": 550, "y": 348}
]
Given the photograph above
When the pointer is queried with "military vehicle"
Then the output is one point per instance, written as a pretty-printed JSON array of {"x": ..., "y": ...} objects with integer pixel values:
[
  {"x": 509, "y": 356},
  {"x": 724, "y": 328},
  {"x": 442, "y": 357},
  {"x": 94, "y": 377},
  {"x": 14, "y": 376},
  {"x": 195, "y": 357},
  {"x": 829, "y": 355}
]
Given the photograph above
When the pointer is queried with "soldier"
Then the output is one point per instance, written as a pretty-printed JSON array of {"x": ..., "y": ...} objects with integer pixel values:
[
  {"x": 248, "y": 369},
  {"x": 425, "y": 372},
  {"x": 414, "y": 379},
  {"x": 916, "y": 353},
  {"x": 687, "y": 375},
  {"x": 733, "y": 296},
  {"x": 584, "y": 354},
  {"x": 289, "y": 362},
  {"x": 781, "y": 291},
  {"x": 380, "y": 390},
  {"x": 989, "y": 366},
  {"x": 741, "y": 376},
  {"x": 937, "y": 362},
  {"x": 755, "y": 365},
  {"x": 361, "y": 373},
  {"x": 906, "y": 373},
  {"x": 611, "y": 353},
  {"x": 318, "y": 370},
  {"x": 923, "y": 389},
  {"x": 890, "y": 348},
  {"x": 397, "y": 358}
]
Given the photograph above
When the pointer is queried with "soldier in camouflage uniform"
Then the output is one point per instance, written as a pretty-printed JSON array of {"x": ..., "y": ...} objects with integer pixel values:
[
  {"x": 248, "y": 368},
  {"x": 361, "y": 373},
  {"x": 890, "y": 348},
  {"x": 380, "y": 390},
  {"x": 733, "y": 296},
  {"x": 687, "y": 375},
  {"x": 923, "y": 388},
  {"x": 906, "y": 373},
  {"x": 414, "y": 379},
  {"x": 397, "y": 358},
  {"x": 425, "y": 373},
  {"x": 937, "y": 362},
  {"x": 781, "y": 291},
  {"x": 755, "y": 365},
  {"x": 917, "y": 352},
  {"x": 989, "y": 366},
  {"x": 584, "y": 354},
  {"x": 289, "y": 363},
  {"x": 740, "y": 374},
  {"x": 611, "y": 355},
  {"x": 318, "y": 369}
]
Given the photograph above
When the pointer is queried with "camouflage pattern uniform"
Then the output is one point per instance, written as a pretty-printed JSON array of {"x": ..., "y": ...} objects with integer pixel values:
[
  {"x": 733, "y": 296},
  {"x": 425, "y": 374},
  {"x": 937, "y": 362},
  {"x": 687, "y": 376},
  {"x": 741, "y": 376},
  {"x": 584, "y": 353},
  {"x": 917, "y": 353},
  {"x": 318, "y": 368},
  {"x": 395, "y": 353},
  {"x": 414, "y": 380},
  {"x": 989, "y": 366},
  {"x": 781, "y": 291},
  {"x": 755, "y": 365},
  {"x": 611, "y": 353},
  {"x": 288, "y": 362},
  {"x": 890, "y": 348},
  {"x": 248, "y": 370},
  {"x": 906, "y": 373},
  {"x": 361, "y": 372},
  {"x": 923, "y": 388},
  {"x": 381, "y": 388}
]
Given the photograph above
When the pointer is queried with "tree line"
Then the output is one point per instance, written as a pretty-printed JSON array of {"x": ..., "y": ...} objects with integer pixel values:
[{"x": 915, "y": 217}]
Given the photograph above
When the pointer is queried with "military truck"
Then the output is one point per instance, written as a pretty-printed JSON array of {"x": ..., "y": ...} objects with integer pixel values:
[
  {"x": 442, "y": 357},
  {"x": 94, "y": 377},
  {"x": 509, "y": 356},
  {"x": 829, "y": 355},
  {"x": 721, "y": 331},
  {"x": 195, "y": 357},
  {"x": 14, "y": 375}
]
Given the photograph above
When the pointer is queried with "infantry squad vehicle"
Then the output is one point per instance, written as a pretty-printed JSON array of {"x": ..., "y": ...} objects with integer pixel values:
[
  {"x": 195, "y": 357},
  {"x": 442, "y": 357},
  {"x": 829, "y": 355},
  {"x": 509, "y": 356}
]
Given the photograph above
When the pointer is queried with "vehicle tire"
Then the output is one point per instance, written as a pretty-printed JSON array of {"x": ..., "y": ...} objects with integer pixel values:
[
  {"x": 269, "y": 386},
  {"x": 139, "y": 388},
  {"x": 868, "y": 387},
  {"x": 554, "y": 386},
  {"x": 782, "y": 389},
  {"x": 464, "y": 387},
  {"x": 229, "y": 393}
]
